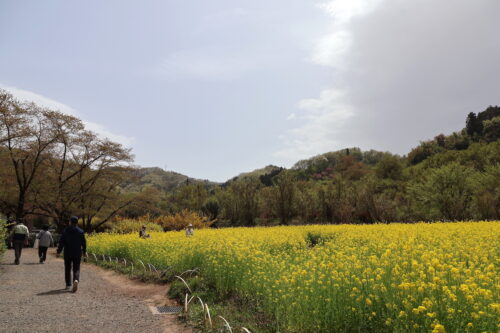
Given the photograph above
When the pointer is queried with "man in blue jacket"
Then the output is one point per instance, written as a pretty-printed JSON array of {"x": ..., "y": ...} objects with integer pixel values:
[{"x": 74, "y": 245}]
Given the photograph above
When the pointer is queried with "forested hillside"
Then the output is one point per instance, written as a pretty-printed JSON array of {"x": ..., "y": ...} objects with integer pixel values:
[
  {"x": 51, "y": 167},
  {"x": 167, "y": 181},
  {"x": 450, "y": 177}
]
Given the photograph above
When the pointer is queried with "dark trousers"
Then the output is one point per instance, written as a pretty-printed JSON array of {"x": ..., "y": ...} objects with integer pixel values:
[
  {"x": 69, "y": 263},
  {"x": 42, "y": 253},
  {"x": 18, "y": 248}
]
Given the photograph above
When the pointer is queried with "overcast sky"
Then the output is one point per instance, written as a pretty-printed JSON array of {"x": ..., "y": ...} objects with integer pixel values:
[{"x": 214, "y": 88}]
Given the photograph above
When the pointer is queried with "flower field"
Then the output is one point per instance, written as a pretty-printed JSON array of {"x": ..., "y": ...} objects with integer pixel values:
[{"x": 384, "y": 278}]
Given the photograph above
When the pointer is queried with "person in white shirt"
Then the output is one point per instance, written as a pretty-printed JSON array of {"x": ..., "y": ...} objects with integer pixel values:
[
  {"x": 19, "y": 238},
  {"x": 45, "y": 241},
  {"x": 189, "y": 230}
]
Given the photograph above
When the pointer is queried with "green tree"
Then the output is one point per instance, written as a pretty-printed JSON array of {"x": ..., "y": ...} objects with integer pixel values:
[
  {"x": 306, "y": 201},
  {"x": 336, "y": 199},
  {"x": 486, "y": 188},
  {"x": 239, "y": 201},
  {"x": 446, "y": 192},
  {"x": 472, "y": 125},
  {"x": 211, "y": 208},
  {"x": 390, "y": 167},
  {"x": 191, "y": 197},
  {"x": 283, "y": 195},
  {"x": 491, "y": 129},
  {"x": 228, "y": 205}
]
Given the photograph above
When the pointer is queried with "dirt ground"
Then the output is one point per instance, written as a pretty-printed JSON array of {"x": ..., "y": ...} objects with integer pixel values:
[{"x": 33, "y": 299}]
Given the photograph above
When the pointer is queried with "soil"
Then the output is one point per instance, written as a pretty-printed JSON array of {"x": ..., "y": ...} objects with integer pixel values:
[{"x": 33, "y": 299}]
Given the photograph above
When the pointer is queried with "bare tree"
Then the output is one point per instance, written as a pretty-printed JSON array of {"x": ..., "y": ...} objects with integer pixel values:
[
  {"x": 81, "y": 172},
  {"x": 59, "y": 167},
  {"x": 27, "y": 136}
]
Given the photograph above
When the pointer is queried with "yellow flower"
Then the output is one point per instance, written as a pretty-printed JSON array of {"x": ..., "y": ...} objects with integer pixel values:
[
  {"x": 396, "y": 270},
  {"x": 438, "y": 328}
]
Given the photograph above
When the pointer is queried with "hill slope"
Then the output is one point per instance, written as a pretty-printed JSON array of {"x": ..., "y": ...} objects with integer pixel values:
[{"x": 160, "y": 179}]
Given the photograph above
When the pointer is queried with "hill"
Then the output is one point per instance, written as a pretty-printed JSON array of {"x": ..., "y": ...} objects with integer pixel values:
[
  {"x": 259, "y": 172},
  {"x": 160, "y": 179}
]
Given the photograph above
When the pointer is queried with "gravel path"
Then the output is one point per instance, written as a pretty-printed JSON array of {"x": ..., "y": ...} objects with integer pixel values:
[{"x": 33, "y": 299}]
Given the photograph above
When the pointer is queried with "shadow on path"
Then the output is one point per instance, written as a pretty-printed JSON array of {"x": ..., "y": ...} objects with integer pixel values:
[{"x": 54, "y": 292}]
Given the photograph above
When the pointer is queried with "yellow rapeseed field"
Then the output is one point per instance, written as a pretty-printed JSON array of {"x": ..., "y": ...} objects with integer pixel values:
[{"x": 440, "y": 277}]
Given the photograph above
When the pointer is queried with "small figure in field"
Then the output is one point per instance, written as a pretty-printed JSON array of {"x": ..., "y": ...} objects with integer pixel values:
[
  {"x": 189, "y": 230},
  {"x": 143, "y": 233},
  {"x": 19, "y": 238},
  {"x": 74, "y": 245},
  {"x": 45, "y": 241}
]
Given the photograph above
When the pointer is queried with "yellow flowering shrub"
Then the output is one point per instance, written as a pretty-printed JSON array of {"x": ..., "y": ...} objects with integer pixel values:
[{"x": 420, "y": 277}]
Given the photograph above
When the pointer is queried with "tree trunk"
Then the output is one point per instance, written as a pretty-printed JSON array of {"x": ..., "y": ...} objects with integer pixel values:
[{"x": 20, "y": 205}]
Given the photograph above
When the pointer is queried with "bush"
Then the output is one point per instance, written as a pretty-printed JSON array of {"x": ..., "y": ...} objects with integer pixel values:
[
  {"x": 177, "y": 222},
  {"x": 127, "y": 226},
  {"x": 181, "y": 220}
]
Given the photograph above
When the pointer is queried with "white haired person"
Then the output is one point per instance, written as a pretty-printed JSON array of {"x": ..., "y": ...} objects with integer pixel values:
[
  {"x": 189, "y": 230},
  {"x": 19, "y": 238},
  {"x": 45, "y": 241}
]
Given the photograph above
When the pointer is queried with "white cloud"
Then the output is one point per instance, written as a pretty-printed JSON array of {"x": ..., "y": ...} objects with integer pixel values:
[
  {"x": 330, "y": 49},
  {"x": 402, "y": 71},
  {"x": 328, "y": 103},
  {"x": 321, "y": 117},
  {"x": 345, "y": 10},
  {"x": 29, "y": 96},
  {"x": 104, "y": 132}
]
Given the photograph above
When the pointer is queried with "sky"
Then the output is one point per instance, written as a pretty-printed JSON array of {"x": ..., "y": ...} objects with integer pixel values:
[{"x": 214, "y": 88}]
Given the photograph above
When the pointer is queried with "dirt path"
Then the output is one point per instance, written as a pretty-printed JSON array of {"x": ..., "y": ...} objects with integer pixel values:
[{"x": 33, "y": 299}]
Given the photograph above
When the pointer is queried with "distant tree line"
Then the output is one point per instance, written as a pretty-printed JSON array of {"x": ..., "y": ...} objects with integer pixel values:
[
  {"x": 51, "y": 167},
  {"x": 454, "y": 177}
]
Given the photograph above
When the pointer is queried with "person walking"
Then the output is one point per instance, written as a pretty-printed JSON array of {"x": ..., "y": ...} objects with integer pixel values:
[
  {"x": 45, "y": 240},
  {"x": 74, "y": 245},
  {"x": 19, "y": 238}
]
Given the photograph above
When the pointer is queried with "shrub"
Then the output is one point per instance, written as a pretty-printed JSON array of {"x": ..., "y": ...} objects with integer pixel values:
[
  {"x": 3, "y": 235},
  {"x": 126, "y": 226},
  {"x": 181, "y": 220}
]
